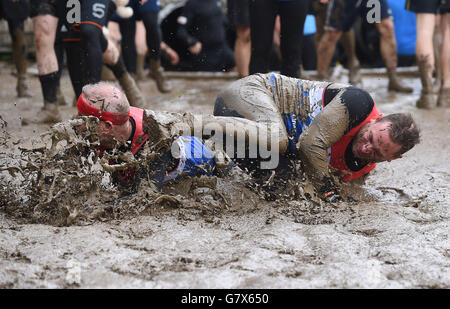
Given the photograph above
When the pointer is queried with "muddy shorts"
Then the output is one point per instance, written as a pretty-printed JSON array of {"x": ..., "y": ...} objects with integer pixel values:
[
  {"x": 17, "y": 10},
  {"x": 429, "y": 6},
  {"x": 44, "y": 7},
  {"x": 238, "y": 13},
  {"x": 341, "y": 14}
]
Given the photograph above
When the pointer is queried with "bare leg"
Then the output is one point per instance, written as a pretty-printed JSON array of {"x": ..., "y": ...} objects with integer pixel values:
[
  {"x": 425, "y": 57},
  {"x": 437, "y": 45},
  {"x": 111, "y": 54},
  {"x": 20, "y": 59},
  {"x": 242, "y": 50},
  {"x": 141, "y": 49},
  {"x": 325, "y": 52},
  {"x": 444, "y": 93},
  {"x": 348, "y": 41},
  {"x": 320, "y": 25},
  {"x": 44, "y": 37},
  {"x": 388, "y": 46},
  {"x": 445, "y": 50}
]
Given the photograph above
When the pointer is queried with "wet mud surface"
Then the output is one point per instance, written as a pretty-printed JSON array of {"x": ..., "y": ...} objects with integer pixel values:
[{"x": 217, "y": 232}]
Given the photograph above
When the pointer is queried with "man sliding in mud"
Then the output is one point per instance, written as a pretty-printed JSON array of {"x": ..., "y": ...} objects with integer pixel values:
[
  {"x": 125, "y": 128},
  {"x": 325, "y": 124}
]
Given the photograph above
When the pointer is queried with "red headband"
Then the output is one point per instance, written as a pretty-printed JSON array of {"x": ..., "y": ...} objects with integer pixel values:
[{"x": 87, "y": 110}]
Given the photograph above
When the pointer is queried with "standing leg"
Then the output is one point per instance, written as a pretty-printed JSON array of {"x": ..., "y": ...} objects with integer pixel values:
[
  {"x": 262, "y": 20},
  {"x": 45, "y": 26},
  {"x": 425, "y": 23},
  {"x": 388, "y": 46},
  {"x": 292, "y": 17},
  {"x": 348, "y": 42},
  {"x": 94, "y": 14},
  {"x": 141, "y": 49},
  {"x": 238, "y": 15},
  {"x": 444, "y": 93},
  {"x": 16, "y": 30},
  {"x": 242, "y": 50},
  {"x": 339, "y": 17},
  {"x": 325, "y": 52},
  {"x": 128, "y": 43},
  {"x": 153, "y": 37},
  {"x": 113, "y": 60}
]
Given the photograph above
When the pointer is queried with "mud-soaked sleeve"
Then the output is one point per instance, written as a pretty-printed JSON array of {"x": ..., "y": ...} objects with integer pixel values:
[
  {"x": 344, "y": 110},
  {"x": 329, "y": 126}
]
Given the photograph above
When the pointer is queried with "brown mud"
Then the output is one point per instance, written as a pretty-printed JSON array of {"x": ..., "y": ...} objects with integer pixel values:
[{"x": 216, "y": 232}]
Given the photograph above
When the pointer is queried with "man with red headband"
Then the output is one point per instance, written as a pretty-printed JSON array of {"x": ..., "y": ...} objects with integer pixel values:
[{"x": 129, "y": 128}]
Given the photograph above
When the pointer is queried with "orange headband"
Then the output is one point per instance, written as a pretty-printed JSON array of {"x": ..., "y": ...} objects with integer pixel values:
[{"x": 87, "y": 110}]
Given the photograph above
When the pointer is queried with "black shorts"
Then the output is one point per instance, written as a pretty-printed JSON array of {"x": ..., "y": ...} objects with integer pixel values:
[
  {"x": 238, "y": 13},
  {"x": 341, "y": 14},
  {"x": 428, "y": 6},
  {"x": 44, "y": 7},
  {"x": 18, "y": 10}
]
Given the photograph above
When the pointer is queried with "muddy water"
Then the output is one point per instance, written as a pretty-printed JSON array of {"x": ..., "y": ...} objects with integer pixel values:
[{"x": 223, "y": 233}]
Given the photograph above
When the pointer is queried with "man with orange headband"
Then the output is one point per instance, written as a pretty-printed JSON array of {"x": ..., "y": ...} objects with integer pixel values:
[{"x": 127, "y": 128}]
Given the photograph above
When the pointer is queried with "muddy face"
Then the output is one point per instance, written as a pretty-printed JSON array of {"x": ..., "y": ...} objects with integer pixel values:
[{"x": 373, "y": 144}]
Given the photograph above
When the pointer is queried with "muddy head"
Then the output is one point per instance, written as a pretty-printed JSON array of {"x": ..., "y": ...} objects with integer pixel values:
[
  {"x": 386, "y": 138},
  {"x": 106, "y": 102}
]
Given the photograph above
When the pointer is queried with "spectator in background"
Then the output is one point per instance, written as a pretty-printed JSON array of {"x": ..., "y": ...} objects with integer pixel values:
[
  {"x": 239, "y": 19},
  {"x": 148, "y": 13},
  {"x": 309, "y": 59},
  {"x": 405, "y": 31},
  {"x": 167, "y": 53},
  {"x": 262, "y": 20},
  {"x": 319, "y": 10},
  {"x": 341, "y": 15},
  {"x": 201, "y": 28},
  {"x": 15, "y": 12},
  {"x": 426, "y": 12}
]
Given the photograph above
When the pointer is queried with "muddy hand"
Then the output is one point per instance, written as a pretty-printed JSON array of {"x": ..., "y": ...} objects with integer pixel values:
[
  {"x": 328, "y": 192},
  {"x": 332, "y": 197}
]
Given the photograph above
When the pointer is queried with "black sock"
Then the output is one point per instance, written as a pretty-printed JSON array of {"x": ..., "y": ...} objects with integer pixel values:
[
  {"x": 49, "y": 83},
  {"x": 119, "y": 68}
]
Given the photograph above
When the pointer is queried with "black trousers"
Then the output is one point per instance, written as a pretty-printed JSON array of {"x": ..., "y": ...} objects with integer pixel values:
[
  {"x": 262, "y": 20},
  {"x": 153, "y": 37}
]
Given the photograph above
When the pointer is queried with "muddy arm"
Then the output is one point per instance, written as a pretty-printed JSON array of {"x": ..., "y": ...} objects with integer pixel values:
[{"x": 327, "y": 128}]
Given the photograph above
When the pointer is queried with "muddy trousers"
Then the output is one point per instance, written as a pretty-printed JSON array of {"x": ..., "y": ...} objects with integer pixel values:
[
  {"x": 16, "y": 31},
  {"x": 292, "y": 18}
]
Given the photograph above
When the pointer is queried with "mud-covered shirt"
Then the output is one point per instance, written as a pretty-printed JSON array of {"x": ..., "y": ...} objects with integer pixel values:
[{"x": 342, "y": 108}]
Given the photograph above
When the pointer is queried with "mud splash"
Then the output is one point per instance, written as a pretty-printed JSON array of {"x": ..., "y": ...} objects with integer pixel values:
[{"x": 62, "y": 181}]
